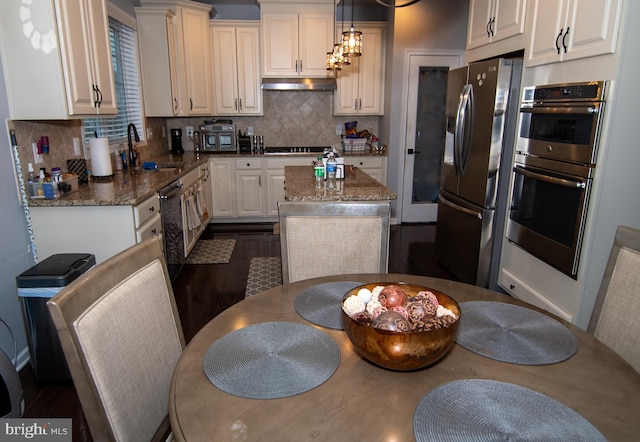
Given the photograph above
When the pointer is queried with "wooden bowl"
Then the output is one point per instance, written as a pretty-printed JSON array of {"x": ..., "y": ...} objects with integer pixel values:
[{"x": 402, "y": 351}]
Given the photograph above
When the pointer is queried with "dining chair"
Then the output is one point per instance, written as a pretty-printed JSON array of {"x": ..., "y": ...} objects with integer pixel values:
[
  {"x": 333, "y": 238},
  {"x": 121, "y": 335},
  {"x": 614, "y": 320}
]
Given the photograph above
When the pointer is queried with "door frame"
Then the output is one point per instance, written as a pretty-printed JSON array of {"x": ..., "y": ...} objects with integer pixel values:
[{"x": 409, "y": 212}]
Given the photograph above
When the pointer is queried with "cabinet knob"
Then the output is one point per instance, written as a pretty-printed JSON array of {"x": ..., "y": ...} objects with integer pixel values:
[
  {"x": 154, "y": 231},
  {"x": 511, "y": 286},
  {"x": 152, "y": 209}
]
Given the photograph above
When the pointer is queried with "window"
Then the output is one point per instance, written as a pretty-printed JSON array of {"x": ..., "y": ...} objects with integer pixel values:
[{"x": 125, "y": 68}]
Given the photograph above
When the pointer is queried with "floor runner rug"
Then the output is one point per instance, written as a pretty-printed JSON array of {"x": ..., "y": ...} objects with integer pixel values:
[
  {"x": 264, "y": 273},
  {"x": 211, "y": 251}
]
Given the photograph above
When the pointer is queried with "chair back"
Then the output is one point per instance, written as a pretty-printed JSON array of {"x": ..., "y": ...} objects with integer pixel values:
[
  {"x": 333, "y": 238},
  {"x": 121, "y": 335},
  {"x": 615, "y": 317}
]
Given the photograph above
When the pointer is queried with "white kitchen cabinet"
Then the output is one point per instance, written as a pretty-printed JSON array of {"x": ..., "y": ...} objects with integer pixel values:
[
  {"x": 236, "y": 68},
  {"x": 57, "y": 59},
  {"x": 571, "y": 29},
  {"x": 175, "y": 57},
  {"x": 493, "y": 20},
  {"x": 222, "y": 188},
  {"x": 249, "y": 187},
  {"x": 296, "y": 37},
  {"x": 361, "y": 84},
  {"x": 376, "y": 167},
  {"x": 276, "y": 185},
  {"x": 100, "y": 230}
]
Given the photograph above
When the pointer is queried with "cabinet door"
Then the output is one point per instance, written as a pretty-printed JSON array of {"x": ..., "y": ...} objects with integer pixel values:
[
  {"x": 222, "y": 188},
  {"x": 347, "y": 92},
  {"x": 176, "y": 80},
  {"x": 548, "y": 25},
  {"x": 480, "y": 12},
  {"x": 225, "y": 71},
  {"x": 196, "y": 46},
  {"x": 593, "y": 28},
  {"x": 371, "y": 73},
  {"x": 249, "y": 193},
  {"x": 280, "y": 44},
  {"x": 86, "y": 55},
  {"x": 248, "y": 71},
  {"x": 275, "y": 190},
  {"x": 315, "y": 39},
  {"x": 509, "y": 19}
]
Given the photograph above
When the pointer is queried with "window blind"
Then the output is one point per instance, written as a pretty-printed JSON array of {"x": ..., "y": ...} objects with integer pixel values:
[{"x": 125, "y": 68}]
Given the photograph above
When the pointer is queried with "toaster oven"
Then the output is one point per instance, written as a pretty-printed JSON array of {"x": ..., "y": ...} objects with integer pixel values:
[{"x": 218, "y": 137}]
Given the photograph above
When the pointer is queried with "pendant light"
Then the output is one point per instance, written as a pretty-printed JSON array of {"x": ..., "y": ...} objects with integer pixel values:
[
  {"x": 332, "y": 62},
  {"x": 393, "y": 4},
  {"x": 352, "y": 39}
]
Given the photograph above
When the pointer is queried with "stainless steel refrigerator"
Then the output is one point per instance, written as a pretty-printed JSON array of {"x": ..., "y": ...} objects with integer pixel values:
[{"x": 482, "y": 108}]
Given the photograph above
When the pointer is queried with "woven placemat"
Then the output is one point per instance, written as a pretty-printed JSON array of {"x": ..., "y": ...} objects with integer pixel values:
[
  {"x": 514, "y": 334},
  {"x": 487, "y": 410},
  {"x": 321, "y": 304},
  {"x": 271, "y": 360}
]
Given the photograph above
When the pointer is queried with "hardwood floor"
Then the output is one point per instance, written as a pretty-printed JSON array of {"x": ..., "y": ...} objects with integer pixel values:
[{"x": 203, "y": 291}]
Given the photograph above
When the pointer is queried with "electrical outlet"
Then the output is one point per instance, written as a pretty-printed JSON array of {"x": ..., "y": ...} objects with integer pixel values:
[
  {"x": 76, "y": 147},
  {"x": 149, "y": 133},
  {"x": 189, "y": 131},
  {"x": 339, "y": 129}
]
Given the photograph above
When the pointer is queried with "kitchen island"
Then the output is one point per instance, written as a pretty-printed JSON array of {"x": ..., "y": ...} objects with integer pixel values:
[{"x": 331, "y": 232}]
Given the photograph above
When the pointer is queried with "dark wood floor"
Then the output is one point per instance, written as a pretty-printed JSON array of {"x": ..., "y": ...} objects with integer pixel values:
[{"x": 203, "y": 291}]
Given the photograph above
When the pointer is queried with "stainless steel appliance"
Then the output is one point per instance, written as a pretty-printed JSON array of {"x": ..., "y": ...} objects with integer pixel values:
[
  {"x": 172, "y": 227},
  {"x": 218, "y": 136},
  {"x": 554, "y": 165},
  {"x": 481, "y": 110}
]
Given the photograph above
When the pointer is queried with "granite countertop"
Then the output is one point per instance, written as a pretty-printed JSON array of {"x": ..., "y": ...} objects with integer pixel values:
[
  {"x": 128, "y": 188},
  {"x": 356, "y": 186}
]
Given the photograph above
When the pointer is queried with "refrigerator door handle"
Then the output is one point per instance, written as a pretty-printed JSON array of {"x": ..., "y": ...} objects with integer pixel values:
[
  {"x": 462, "y": 134},
  {"x": 464, "y": 210}
]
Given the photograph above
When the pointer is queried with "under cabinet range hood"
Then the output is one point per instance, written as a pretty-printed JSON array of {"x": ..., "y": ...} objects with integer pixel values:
[{"x": 299, "y": 84}]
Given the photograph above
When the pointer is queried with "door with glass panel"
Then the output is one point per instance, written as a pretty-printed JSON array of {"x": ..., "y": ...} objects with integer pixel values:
[{"x": 425, "y": 136}]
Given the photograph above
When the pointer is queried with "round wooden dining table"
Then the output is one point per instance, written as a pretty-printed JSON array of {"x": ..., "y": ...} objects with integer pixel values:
[{"x": 363, "y": 402}]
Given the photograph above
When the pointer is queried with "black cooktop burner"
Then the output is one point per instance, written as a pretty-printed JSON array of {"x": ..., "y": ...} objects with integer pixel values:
[{"x": 274, "y": 150}]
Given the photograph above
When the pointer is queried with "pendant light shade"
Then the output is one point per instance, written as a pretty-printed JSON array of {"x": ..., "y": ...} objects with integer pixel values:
[{"x": 352, "y": 39}]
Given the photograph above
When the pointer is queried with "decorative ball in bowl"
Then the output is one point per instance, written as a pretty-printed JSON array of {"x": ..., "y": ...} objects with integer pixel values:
[{"x": 400, "y": 326}]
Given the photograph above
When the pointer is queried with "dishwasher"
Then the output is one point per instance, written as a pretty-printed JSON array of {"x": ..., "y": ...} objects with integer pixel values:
[{"x": 172, "y": 227}]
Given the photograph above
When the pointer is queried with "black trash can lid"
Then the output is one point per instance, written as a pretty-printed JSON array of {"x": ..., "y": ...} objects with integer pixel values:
[{"x": 57, "y": 270}]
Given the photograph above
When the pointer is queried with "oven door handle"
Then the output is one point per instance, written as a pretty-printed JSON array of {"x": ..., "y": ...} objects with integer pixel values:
[
  {"x": 573, "y": 184},
  {"x": 560, "y": 109}
]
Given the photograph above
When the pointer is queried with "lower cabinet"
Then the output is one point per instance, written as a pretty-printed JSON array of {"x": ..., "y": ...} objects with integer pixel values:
[
  {"x": 100, "y": 230},
  {"x": 247, "y": 188}
]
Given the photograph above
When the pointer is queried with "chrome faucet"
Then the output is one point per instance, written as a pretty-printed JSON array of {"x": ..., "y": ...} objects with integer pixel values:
[{"x": 133, "y": 157}]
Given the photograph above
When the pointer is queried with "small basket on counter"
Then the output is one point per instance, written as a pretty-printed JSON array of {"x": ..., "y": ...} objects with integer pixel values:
[
  {"x": 54, "y": 189},
  {"x": 350, "y": 145}
]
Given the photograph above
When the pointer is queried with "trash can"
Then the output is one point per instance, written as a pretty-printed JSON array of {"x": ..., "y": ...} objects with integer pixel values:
[{"x": 35, "y": 287}]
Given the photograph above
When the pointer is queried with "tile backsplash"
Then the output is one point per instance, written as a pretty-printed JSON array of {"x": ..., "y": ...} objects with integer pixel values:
[{"x": 290, "y": 118}]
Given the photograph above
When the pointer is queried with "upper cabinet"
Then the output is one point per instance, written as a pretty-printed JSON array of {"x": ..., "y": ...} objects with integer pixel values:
[
  {"x": 236, "y": 68},
  {"x": 361, "y": 84},
  {"x": 571, "y": 29},
  {"x": 296, "y": 38},
  {"x": 492, "y": 20},
  {"x": 175, "y": 57},
  {"x": 57, "y": 59}
]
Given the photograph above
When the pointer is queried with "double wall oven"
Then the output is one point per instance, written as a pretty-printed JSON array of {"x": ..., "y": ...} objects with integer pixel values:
[{"x": 554, "y": 165}]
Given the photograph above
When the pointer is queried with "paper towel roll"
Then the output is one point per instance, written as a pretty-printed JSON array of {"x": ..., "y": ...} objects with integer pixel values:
[{"x": 100, "y": 157}]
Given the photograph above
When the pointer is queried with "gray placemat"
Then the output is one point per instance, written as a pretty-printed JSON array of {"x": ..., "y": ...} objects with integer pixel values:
[
  {"x": 271, "y": 360},
  {"x": 487, "y": 410},
  {"x": 321, "y": 304},
  {"x": 514, "y": 334}
]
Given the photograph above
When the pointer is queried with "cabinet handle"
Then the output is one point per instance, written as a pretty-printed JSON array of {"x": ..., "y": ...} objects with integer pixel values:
[
  {"x": 240, "y": 101},
  {"x": 190, "y": 104},
  {"x": 300, "y": 65},
  {"x": 487, "y": 28},
  {"x": 152, "y": 209},
  {"x": 95, "y": 95},
  {"x": 359, "y": 103},
  {"x": 564, "y": 40},
  {"x": 154, "y": 231},
  {"x": 558, "y": 39},
  {"x": 511, "y": 286},
  {"x": 175, "y": 104},
  {"x": 259, "y": 180},
  {"x": 99, "y": 96},
  {"x": 493, "y": 26}
]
